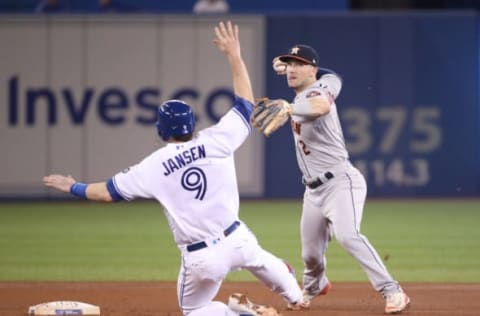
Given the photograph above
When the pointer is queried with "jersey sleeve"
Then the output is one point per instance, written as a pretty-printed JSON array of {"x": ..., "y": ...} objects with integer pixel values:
[
  {"x": 331, "y": 83},
  {"x": 234, "y": 127},
  {"x": 130, "y": 183}
]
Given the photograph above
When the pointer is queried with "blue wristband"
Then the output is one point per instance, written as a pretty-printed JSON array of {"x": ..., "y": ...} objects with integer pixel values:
[{"x": 79, "y": 189}]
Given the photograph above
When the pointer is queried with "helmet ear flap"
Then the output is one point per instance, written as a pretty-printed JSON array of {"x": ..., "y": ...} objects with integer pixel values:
[
  {"x": 174, "y": 118},
  {"x": 162, "y": 132}
]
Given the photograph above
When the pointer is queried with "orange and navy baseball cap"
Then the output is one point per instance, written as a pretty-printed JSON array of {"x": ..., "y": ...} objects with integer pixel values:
[{"x": 303, "y": 53}]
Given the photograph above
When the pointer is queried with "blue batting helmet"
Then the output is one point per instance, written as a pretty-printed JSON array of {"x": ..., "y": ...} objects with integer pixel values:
[{"x": 174, "y": 118}]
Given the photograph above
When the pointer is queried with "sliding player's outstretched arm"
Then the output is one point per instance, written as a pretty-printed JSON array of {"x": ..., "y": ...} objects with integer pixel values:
[
  {"x": 90, "y": 191},
  {"x": 227, "y": 40}
]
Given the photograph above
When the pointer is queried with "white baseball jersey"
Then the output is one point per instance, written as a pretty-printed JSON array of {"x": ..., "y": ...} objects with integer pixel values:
[
  {"x": 195, "y": 181},
  {"x": 319, "y": 142}
]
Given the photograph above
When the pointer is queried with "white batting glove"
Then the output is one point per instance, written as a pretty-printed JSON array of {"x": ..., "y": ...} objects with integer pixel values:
[{"x": 279, "y": 66}]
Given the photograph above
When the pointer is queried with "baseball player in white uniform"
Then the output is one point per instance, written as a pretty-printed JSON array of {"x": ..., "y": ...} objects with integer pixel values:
[
  {"x": 194, "y": 179},
  {"x": 335, "y": 190}
]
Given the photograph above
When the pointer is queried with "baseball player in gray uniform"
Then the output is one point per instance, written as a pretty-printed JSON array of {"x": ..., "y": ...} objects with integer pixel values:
[
  {"x": 194, "y": 179},
  {"x": 335, "y": 190}
]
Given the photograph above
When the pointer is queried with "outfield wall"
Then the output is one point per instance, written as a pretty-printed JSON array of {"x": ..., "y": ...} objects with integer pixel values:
[
  {"x": 409, "y": 104},
  {"x": 78, "y": 96}
]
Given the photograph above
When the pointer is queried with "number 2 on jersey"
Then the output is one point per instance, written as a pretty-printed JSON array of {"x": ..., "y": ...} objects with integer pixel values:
[
  {"x": 193, "y": 179},
  {"x": 297, "y": 128},
  {"x": 305, "y": 150}
]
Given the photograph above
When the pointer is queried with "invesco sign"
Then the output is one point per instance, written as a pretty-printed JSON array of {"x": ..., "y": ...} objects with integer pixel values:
[{"x": 112, "y": 104}]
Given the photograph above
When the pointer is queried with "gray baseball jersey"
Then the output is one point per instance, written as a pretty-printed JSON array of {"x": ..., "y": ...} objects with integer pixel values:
[
  {"x": 334, "y": 196},
  {"x": 319, "y": 142}
]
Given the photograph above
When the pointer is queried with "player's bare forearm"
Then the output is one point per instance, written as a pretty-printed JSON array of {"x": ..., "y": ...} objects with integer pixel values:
[
  {"x": 227, "y": 41},
  {"x": 98, "y": 192},
  {"x": 94, "y": 191},
  {"x": 241, "y": 80}
]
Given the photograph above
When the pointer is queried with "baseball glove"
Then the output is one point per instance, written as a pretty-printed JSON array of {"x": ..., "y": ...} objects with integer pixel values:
[{"x": 269, "y": 115}]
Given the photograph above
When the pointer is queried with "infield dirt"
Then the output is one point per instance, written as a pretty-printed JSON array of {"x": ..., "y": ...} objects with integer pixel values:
[{"x": 159, "y": 298}]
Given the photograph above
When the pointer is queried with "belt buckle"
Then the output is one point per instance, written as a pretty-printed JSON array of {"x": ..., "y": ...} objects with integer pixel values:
[
  {"x": 318, "y": 182},
  {"x": 315, "y": 184},
  {"x": 202, "y": 244}
]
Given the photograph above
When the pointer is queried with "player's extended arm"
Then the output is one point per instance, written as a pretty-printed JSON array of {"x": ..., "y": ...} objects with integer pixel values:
[
  {"x": 313, "y": 106},
  {"x": 317, "y": 105},
  {"x": 93, "y": 191},
  {"x": 227, "y": 41}
]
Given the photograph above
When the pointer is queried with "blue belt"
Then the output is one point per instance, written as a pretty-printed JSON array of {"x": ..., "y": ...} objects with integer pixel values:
[{"x": 200, "y": 245}]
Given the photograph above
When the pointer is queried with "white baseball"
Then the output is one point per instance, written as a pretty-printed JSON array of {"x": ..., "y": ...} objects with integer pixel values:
[{"x": 279, "y": 66}]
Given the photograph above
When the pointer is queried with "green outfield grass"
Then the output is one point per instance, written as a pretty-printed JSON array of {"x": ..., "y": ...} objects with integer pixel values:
[{"x": 427, "y": 241}]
